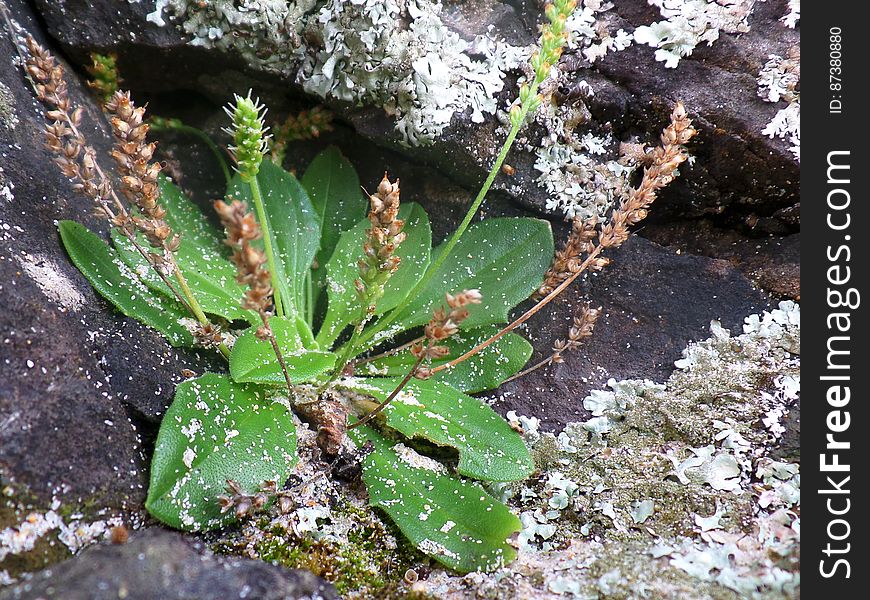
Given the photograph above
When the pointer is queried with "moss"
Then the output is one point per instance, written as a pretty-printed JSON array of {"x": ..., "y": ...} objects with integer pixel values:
[
  {"x": 369, "y": 560},
  {"x": 38, "y": 533}
]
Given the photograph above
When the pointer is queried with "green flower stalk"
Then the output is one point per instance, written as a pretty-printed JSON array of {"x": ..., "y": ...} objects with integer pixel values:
[
  {"x": 250, "y": 144},
  {"x": 250, "y": 140},
  {"x": 554, "y": 36},
  {"x": 105, "y": 78}
]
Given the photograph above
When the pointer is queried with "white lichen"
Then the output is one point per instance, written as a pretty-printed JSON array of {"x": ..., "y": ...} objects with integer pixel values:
[
  {"x": 583, "y": 174},
  {"x": 688, "y": 23},
  {"x": 51, "y": 281},
  {"x": 8, "y": 116},
  {"x": 397, "y": 54},
  {"x": 794, "y": 14},
  {"x": 665, "y": 459},
  {"x": 778, "y": 81},
  {"x": 75, "y": 534}
]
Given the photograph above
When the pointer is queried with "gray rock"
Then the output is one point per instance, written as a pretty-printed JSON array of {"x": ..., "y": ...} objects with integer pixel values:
[
  {"x": 79, "y": 384},
  {"x": 654, "y": 302},
  {"x": 738, "y": 169},
  {"x": 773, "y": 262},
  {"x": 162, "y": 564}
]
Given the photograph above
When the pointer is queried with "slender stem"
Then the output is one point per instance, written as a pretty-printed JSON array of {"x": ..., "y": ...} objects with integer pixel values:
[
  {"x": 267, "y": 243},
  {"x": 174, "y": 124},
  {"x": 432, "y": 270},
  {"x": 346, "y": 351},
  {"x": 526, "y": 315},
  {"x": 193, "y": 304},
  {"x": 309, "y": 298},
  {"x": 380, "y": 407},
  {"x": 277, "y": 352},
  {"x": 389, "y": 352},
  {"x": 131, "y": 237},
  {"x": 542, "y": 363}
]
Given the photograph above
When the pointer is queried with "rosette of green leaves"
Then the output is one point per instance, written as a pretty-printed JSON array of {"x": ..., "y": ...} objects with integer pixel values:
[{"x": 238, "y": 426}]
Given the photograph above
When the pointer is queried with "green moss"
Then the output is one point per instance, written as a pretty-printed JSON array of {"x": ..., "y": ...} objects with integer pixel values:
[
  {"x": 369, "y": 560},
  {"x": 19, "y": 505}
]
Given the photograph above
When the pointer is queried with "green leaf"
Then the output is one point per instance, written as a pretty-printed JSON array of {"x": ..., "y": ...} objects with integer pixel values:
[
  {"x": 488, "y": 448},
  {"x": 484, "y": 371},
  {"x": 342, "y": 271},
  {"x": 293, "y": 225},
  {"x": 216, "y": 430},
  {"x": 201, "y": 258},
  {"x": 454, "y": 521},
  {"x": 253, "y": 361},
  {"x": 105, "y": 271},
  {"x": 334, "y": 189},
  {"x": 504, "y": 258},
  {"x": 185, "y": 217}
]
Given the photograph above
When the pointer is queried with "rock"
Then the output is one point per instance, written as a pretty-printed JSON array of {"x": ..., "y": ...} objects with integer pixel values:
[
  {"x": 654, "y": 302},
  {"x": 162, "y": 564},
  {"x": 738, "y": 170},
  {"x": 81, "y": 387},
  {"x": 773, "y": 262}
]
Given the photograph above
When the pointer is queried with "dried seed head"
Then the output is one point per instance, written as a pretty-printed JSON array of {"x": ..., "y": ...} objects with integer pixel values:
[
  {"x": 569, "y": 259},
  {"x": 581, "y": 328},
  {"x": 379, "y": 261},
  {"x": 139, "y": 176},
  {"x": 444, "y": 323},
  {"x": 207, "y": 336},
  {"x": 244, "y": 504},
  {"x": 241, "y": 228},
  {"x": 664, "y": 162}
]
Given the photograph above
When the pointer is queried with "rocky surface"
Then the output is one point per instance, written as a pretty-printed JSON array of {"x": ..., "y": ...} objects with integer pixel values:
[
  {"x": 771, "y": 261},
  {"x": 162, "y": 564},
  {"x": 738, "y": 169},
  {"x": 81, "y": 388}
]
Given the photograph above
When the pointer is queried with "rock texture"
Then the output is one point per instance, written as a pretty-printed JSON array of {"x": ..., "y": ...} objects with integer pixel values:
[
  {"x": 738, "y": 170},
  {"x": 161, "y": 564},
  {"x": 773, "y": 262},
  {"x": 81, "y": 388}
]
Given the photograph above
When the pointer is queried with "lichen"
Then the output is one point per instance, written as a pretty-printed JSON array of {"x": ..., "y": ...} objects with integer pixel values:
[
  {"x": 778, "y": 81},
  {"x": 669, "y": 490},
  {"x": 399, "y": 54},
  {"x": 35, "y": 536},
  {"x": 688, "y": 23},
  {"x": 793, "y": 15},
  {"x": 589, "y": 34},
  {"x": 8, "y": 116}
]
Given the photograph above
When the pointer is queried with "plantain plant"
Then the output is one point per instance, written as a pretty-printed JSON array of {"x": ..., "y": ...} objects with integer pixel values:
[{"x": 305, "y": 293}]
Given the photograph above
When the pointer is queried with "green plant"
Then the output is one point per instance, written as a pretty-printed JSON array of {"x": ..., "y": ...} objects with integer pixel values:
[
  {"x": 292, "y": 250},
  {"x": 105, "y": 79}
]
